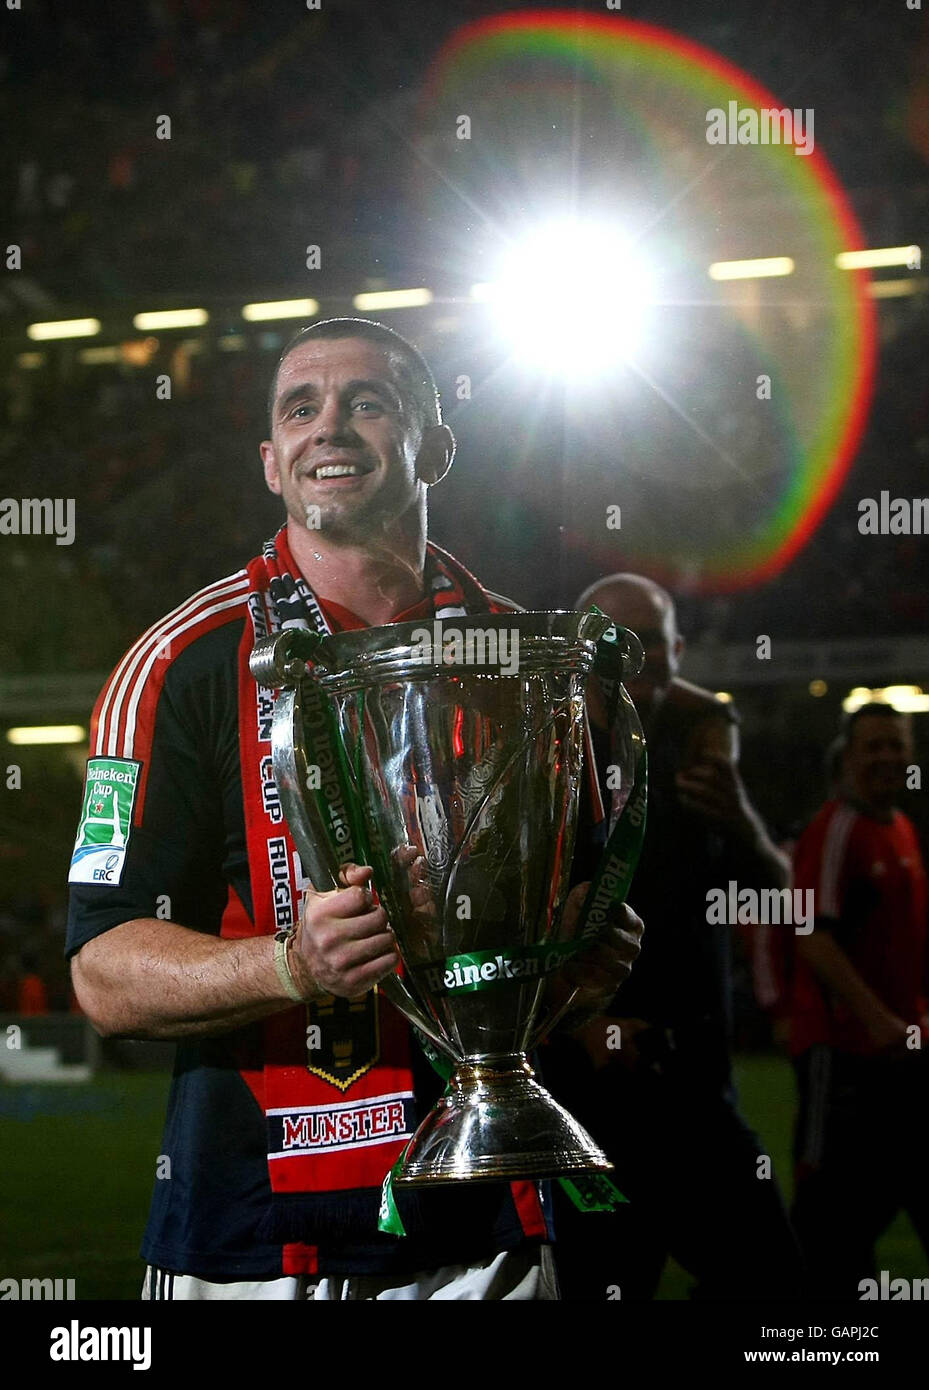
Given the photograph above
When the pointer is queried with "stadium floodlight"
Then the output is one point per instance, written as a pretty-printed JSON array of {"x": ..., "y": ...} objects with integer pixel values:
[
  {"x": 571, "y": 297},
  {"x": 280, "y": 309},
  {"x": 171, "y": 318},
  {"x": 895, "y": 289},
  {"x": 909, "y": 256},
  {"x": 63, "y": 328},
  {"x": 31, "y": 735},
  {"x": 373, "y": 300},
  {"x": 759, "y": 269},
  {"x": 906, "y": 699},
  {"x": 96, "y": 355}
]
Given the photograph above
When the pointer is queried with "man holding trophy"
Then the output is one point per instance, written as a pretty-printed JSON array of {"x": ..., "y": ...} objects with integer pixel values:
[{"x": 353, "y": 720}]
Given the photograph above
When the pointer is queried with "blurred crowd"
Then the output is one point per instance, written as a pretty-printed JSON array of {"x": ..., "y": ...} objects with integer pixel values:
[
  {"x": 168, "y": 495},
  {"x": 259, "y": 145},
  {"x": 290, "y": 126},
  {"x": 34, "y": 976}
]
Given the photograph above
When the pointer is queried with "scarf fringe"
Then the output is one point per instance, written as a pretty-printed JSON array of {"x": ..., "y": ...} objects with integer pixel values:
[{"x": 314, "y": 1217}]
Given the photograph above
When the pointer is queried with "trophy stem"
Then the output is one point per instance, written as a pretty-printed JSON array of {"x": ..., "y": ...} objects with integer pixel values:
[{"x": 497, "y": 1122}]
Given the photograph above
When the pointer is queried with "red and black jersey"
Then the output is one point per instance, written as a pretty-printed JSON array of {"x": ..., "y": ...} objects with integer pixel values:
[
  {"x": 163, "y": 835},
  {"x": 869, "y": 886}
]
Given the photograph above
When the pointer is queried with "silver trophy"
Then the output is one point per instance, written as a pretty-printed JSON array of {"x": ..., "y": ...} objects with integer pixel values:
[{"x": 454, "y": 754}]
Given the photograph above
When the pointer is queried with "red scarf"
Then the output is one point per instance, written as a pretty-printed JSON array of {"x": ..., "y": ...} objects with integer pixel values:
[{"x": 339, "y": 1112}]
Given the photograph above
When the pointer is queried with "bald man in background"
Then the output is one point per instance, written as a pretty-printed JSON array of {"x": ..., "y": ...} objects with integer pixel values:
[{"x": 663, "y": 1104}]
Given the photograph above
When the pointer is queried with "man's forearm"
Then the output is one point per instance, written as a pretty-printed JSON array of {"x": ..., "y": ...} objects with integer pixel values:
[
  {"x": 831, "y": 965},
  {"x": 156, "y": 980}
]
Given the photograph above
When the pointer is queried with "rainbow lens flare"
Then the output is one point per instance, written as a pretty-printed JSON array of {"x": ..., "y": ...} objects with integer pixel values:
[{"x": 567, "y": 111}]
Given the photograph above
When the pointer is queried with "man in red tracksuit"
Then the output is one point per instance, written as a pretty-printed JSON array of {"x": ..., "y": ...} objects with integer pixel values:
[{"x": 858, "y": 1013}]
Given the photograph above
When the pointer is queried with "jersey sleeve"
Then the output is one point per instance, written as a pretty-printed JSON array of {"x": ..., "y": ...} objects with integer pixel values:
[
  {"x": 149, "y": 839},
  {"x": 823, "y": 863}
]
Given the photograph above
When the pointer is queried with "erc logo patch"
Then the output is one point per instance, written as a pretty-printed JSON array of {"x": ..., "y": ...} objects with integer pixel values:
[{"x": 106, "y": 821}]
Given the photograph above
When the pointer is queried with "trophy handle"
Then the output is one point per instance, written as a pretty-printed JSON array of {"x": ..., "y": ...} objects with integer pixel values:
[
  {"x": 627, "y": 831},
  {"x": 314, "y": 844}
]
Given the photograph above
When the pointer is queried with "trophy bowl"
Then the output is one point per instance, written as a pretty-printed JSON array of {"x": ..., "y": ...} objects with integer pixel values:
[{"x": 459, "y": 754}]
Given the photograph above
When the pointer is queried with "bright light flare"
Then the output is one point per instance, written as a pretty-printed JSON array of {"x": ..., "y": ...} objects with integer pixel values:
[{"x": 571, "y": 298}]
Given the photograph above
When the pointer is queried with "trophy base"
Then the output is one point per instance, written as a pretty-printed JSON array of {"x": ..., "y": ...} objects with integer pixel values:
[{"x": 497, "y": 1122}]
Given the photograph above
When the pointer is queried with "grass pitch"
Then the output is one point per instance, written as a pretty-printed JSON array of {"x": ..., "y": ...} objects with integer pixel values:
[{"x": 79, "y": 1166}]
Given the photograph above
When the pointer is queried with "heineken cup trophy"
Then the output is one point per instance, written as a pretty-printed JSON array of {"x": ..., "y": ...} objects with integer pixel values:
[{"x": 454, "y": 754}]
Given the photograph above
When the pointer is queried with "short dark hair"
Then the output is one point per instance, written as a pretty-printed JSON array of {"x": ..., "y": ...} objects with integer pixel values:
[
  {"x": 878, "y": 708},
  {"x": 407, "y": 361}
]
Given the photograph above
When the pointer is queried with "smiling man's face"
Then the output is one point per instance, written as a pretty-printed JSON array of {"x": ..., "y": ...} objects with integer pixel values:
[
  {"x": 877, "y": 755},
  {"x": 344, "y": 438}
]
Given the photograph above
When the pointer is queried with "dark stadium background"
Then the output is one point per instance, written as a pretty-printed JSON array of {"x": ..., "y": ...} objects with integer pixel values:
[{"x": 287, "y": 134}]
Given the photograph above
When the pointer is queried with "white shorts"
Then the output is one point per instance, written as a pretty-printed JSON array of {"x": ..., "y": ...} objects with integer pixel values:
[{"x": 525, "y": 1274}]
